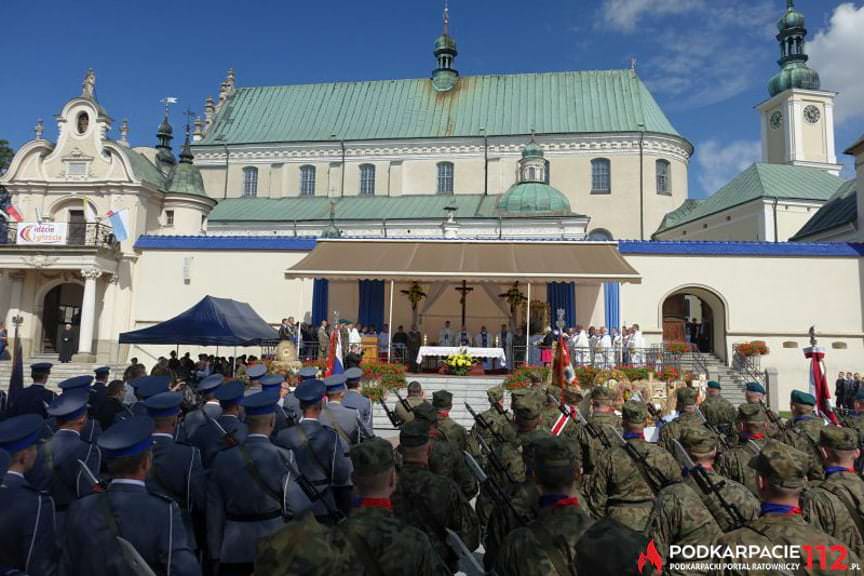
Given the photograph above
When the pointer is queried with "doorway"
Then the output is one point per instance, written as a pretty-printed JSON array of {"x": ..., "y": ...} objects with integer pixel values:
[
  {"x": 77, "y": 233},
  {"x": 62, "y": 306},
  {"x": 696, "y": 315}
]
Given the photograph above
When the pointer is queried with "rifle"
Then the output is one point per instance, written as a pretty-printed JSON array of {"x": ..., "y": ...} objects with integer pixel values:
[
  {"x": 394, "y": 419},
  {"x": 468, "y": 562},
  {"x": 484, "y": 424},
  {"x": 771, "y": 415},
  {"x": 98, "y": 485},
  {"x": 724, "y": 439},
  {"x": 708, "y": 486},
  {"x": 656, "y": 479},
  {"x": 315, "y": 495},
  {"x": 227, "y": 437},
  {"x": 497, "y": 492},
  {"x": 133, "y": 559},
  {"x": 501, "y": 410},
  {"x": 408, "y": 408},
  {"x": 593, "y": 431}
]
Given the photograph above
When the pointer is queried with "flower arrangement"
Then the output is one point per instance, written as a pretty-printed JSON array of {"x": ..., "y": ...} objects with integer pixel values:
[
  {"x": 381, "y": 377},
  {"x": 459, "y": 363},
  {"x": 668, "y": 374},
  {"x": 634, "y": 374},
  {"x": 677, "y": 347},
  {"x": 522, "y": 377},
  {"x": 754, "y": 348}
]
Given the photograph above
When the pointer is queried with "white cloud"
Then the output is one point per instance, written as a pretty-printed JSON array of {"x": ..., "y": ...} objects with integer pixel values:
[
  {"x": 837, "y": 53},
  {"x": 624, "y": 15},
  {"x": 719, "y": 163}
]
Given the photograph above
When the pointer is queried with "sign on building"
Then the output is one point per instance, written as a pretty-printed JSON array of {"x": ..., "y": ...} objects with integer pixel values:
[{"x": 43, "y": 234}]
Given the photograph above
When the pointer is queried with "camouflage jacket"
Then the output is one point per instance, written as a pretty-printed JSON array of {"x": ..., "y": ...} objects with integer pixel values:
[
  {"x": 432, "y": 503},
  {"x": 591, "y": 449},
  {"x": 735, "y": 463},
  {"x": 803, "y": 434},
  {"x": 672, "y": 431},
  {"x": 454, "y": 433},
  {"x": 546, "y": 546},
  {"x": 403, "y": 414},
  {"x": 827, "y": 507},
  {"x": 735, "y": 494},
  {"x": 720, "y": 413},
  {"x": 496, "y": 421},
  {"x": 618, "y": 487},
  {"x": 525, "y": 498},
  {"x": 446, "y": 460}
]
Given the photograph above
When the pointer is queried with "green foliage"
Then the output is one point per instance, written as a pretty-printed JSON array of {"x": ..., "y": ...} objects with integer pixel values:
[{"x": 6, "y": 154}]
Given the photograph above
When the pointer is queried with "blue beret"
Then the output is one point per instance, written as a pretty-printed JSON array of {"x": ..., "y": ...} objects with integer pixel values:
[
  {"x": 353, "y": 374},
  {"x": 210, "y": 382},
  {"x": 310, "y": 391},
  {"x": 335, "y": 382},
  {"x": 127, "y": 438},
  {"x": 102, "y": 371},
  {"x": 69, "y": 405},
  {"x": 714, "y": 384},
  {"x": 76, "y": 382},
  {"x": 799, "y": 397},
  {"x": 148, "y": 386},
  {"x": 4, "y": 462},
  {"x": 256, "y": 371},
  {"x": 307, "y": 372},
  {"x": 260, "y": 403},
  {"x": 270, "y": 381},
  {"x": 230, "y": 392},
  {"x": 20, "y": 432},
  {"x": 41, "y": 367},
  {"x": 164, "y": 404},
  {"x": 755, "y": 387}
]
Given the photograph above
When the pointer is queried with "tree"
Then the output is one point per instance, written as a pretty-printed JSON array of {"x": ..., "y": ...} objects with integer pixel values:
[{"x": 6, "y": 154}]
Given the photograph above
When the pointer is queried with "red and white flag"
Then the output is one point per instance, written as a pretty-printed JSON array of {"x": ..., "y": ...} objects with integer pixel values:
[
  {"x": 562, "y": 420},
  {"x": 13, "y": 213},
  {"x": 819, "y": 383}
]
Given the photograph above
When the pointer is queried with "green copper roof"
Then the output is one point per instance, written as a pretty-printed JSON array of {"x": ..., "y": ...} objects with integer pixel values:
[
  {"x": 533, "y": 198},
  {"x": 794, "y": 75},
  {"x": 187, "y": 180},
  {"x": 144, "y": 169},
  {"x": 506, "y": 104},
  {"x": 761, "y": 180},
  {"x": 840, "y": 210}
]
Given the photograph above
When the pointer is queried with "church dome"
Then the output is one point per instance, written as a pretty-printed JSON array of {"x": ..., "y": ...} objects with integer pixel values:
[
  {"x": 791, "y": 19},
  {"x": 794, "y": 75},
  {"x": 533, "y": 197},
  {"x": 445, "y": 42},
  {"x": 187, "y": 180},
  {"x": 532, "y": 150}
]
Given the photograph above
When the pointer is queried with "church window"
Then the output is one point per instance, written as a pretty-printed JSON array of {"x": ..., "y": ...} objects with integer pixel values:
[
  {"x": 169, "y": 218},
  {"x": 663, "y": 178},
  {"x": 250, "y": 181},
  {"x": 307, "y": 180},
  {"x": 601, "y": 177},
  {"x": 367, "y": 180},
  {"x": 83, "y": 122},
  {"x": 445, "y": 178}
]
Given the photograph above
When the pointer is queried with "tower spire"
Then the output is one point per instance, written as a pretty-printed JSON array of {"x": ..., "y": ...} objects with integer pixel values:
[
  {"x": 445, "y": 76},
  {"x": 792, "y": 37},
  {"x": 447, "y": 19}
]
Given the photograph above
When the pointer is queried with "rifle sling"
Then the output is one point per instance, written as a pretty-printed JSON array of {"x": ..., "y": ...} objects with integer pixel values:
[
  {"x": 550, "y": 546},
  {"x": 850, "y": 507},
  {"x": 641, "y": 466},
  {"x": 252, "y": 469}
]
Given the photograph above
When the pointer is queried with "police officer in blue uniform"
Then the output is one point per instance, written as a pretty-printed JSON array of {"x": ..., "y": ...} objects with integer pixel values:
[
  {"x": 209, "y": 404},
  {"x": 248, "y": 490},
  {"x": 144, "y": 387},
  {"x": 33, "y": 398},
  {"x": 57, "y": 470},
  {"x": 92, "y": 429},
  {"x": 225, "y": 431},
  {"x": 284, "y": 418},
  {"x": 346, "y": 421},
  {"x": 100, "y": 388},
  {"x": 28, "y": 541},
  {"x": 355, "y": 400},
  {"x": 177, "y": 471},
  {"x": 151, "y": 523},
  {"x": 320, "y": 453}
]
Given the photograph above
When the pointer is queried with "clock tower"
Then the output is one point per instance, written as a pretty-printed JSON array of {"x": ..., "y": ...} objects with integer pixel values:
[{"x": 798, "y": 119}]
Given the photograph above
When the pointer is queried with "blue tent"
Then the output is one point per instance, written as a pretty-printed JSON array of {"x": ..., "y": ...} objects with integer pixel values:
[{"x": 211, "y": 322}]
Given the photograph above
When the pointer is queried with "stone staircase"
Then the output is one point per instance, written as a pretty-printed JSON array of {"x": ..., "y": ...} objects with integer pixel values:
[
  {"x": 59, "y": 372},
  {"x": 731, "y": 381}
]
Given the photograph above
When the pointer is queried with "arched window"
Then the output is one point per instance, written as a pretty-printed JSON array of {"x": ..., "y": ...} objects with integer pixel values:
[
  {"x": 250, "y": 181},
  {"x": 307, "y": 180},
  {"x": 601, "y": 176},
  {"x": 367, "y": 180},
  {"x": 664, "y": 178},
  {"x": 445, "y": 178}
]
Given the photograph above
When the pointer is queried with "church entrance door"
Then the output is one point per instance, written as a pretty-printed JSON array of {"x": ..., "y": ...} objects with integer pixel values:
[{"x": 62, "y": 306}]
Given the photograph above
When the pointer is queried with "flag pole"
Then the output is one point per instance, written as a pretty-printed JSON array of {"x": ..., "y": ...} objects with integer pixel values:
[
  {"x": 528, "y": 326},
  {"x": 390, "y": 323}
]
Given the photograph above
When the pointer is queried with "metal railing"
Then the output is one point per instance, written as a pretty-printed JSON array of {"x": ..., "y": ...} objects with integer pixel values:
[
  {"x": 83, "y": 234},
  {"x": 749, "y": 367}
]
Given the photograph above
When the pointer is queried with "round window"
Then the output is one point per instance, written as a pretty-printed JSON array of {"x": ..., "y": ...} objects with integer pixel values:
[{"x": 83, "y": 122}]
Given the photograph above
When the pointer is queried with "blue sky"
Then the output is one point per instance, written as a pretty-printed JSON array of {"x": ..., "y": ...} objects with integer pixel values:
[{"x": 707, "y": 62}]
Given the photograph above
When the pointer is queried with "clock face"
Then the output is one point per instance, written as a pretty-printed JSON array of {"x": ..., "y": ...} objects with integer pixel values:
[
  {"x": 776, "y": 119},
  {"x": 812, "y": 114}
]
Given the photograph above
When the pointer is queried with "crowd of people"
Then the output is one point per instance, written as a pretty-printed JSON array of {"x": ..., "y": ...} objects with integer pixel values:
[
  {"x": 248, "y": 474},
  {"x": 846, "y": 389}
]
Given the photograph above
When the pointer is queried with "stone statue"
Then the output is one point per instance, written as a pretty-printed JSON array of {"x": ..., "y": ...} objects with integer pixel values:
[{"x": 89, "y": 84}]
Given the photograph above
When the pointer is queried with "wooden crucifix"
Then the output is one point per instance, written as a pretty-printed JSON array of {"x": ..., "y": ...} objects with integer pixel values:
[{"x": 464, "y": 289}]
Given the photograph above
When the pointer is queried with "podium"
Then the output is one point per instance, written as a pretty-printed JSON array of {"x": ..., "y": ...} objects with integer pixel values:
[{"x": 369, "y": 345}]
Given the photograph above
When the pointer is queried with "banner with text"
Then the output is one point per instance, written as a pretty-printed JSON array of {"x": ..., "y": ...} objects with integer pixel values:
[{"x": 43, "y": 234}]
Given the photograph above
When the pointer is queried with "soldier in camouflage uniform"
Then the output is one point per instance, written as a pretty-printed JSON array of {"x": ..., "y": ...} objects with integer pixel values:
[
  {"x": 718, "y": 411},
  {"x": 495, "y": 417},
  {"x": 782, "y": 475},
  {"x": 754, "y": 393},
  {"x": 445, "y": 459},
  {"x": 550, "y": 407},
  {"x": 836, "y": 505},
  {"x": 734, "y": 463},
  {"x": 547, "y": 545},
  {"x": 687, "y": 416},
  {"x": 430, "y": 502},
  {"x": 414, "y": 399},
  {"x": 372, "y": 539},
  {"x": 802, "y": 432},
  {"x": 527, "y": 410},
  {"x": 603, "y": 417},
  {"x": 855, "y": 419},
  {"x": 622, "y": 486},
  {"x": 509, "y": 453},
  {"x": 450, "y": 430}
]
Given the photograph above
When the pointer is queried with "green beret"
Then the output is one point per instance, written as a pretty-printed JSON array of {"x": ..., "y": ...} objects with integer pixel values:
[
  {"x": 685, "y": 396},
  {"x": 799, "y": 397},
  {"x": 751, "y": 413},
  {"x": 600, "y": 393},
  {"x": 426, "y": 412},
  {"x": 528, "y": 407},
  {"x": 412, "y": 435},
  {"x": 634, "y": 412},
  {"x": 372, "y": 457},
  {"x": 442, "y": 399},
  {"x": 839, "y": 438},
  {"x": 495, "y": 393},
  {"x": 755, "y": 387},
  {"x": 714, "y": 384},
  {"x": 552, "y": 452},
  {"x": 781, "y": 465},
  {"x": 698, "y": 439}
]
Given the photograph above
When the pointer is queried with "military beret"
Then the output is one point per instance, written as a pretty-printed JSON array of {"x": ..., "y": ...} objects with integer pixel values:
[
  {"x": 310, "y": 391},
  {"x": 164, "y": 404},
  {"x": 634, "y": 412},
  {"x": 698, "y": 439},
  {"x": 755, "y": 387},
  {"x": 41, "y": 368},
  {"x": 714, "y": 384},
  {"x": 414, "y": 433},
  {"x": 781, "y": 465},
  {"x": 553, "y": 452},
  {"x": 308, "y": 373},
  {"x": 354, "y": 373},
  {"x": 4, "y": 462},
  {"x": 76, "y": 382},
  {"x": 69, "y": 405},
  {"x": 334, "y": 383},
  {"x": 102, "y": 371},
  {"x": 442, "y": 399},
  {"x": 20, "y": 432},
  {"x": 686, "y": 396},
  {"x": 271, "y": 381},
  {"x": 256, "y": 371},
  {"x": 529, "y": 407},
  {"x": 426, "y": 412},
  {"x": 148, "y": 386},
  {"x": 372, "y": 457},
  {"x": 127, "y": 438},
  {"x": 799, "y": 397},
  {"x": 495, "y": 393},
  {"x": 839, "y": 438},
  {"x": 209, "y": 383},
  {"x": 230, "y": 392},
  {"x": 600, "y": 393},
  {"x": 260, "y": 403},
  {"x": 751, "y": 413}
]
